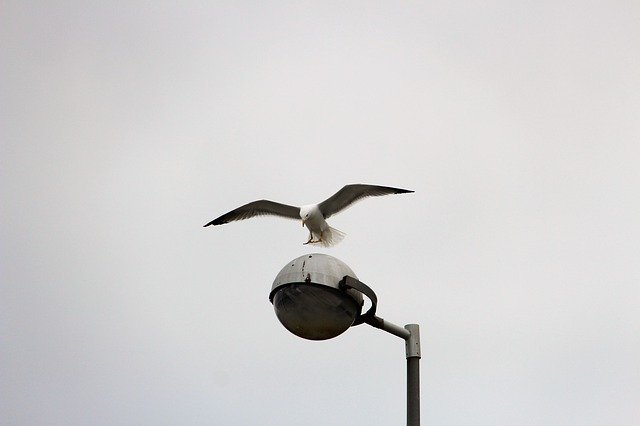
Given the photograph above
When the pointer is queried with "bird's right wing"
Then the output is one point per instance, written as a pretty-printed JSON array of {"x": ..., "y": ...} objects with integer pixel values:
[
  {"x": 349, "y": 194},
  {"x": 258, "y": 208}
]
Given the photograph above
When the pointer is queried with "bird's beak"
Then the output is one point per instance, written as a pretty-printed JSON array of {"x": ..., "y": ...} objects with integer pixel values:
[{"x": 303, "y": 223}]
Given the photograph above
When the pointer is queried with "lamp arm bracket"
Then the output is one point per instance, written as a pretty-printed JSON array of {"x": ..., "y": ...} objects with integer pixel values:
[{"x": 348, "y": 282}]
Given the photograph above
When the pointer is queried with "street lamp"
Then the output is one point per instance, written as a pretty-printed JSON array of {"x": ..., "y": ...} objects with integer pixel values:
[{"x": 318, "y": 297}]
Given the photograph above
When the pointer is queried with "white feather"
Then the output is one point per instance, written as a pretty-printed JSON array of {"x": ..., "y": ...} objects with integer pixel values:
[{"x": 330, "y": 237}]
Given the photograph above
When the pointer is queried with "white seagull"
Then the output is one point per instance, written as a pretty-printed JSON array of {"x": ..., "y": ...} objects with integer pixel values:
[{"x": 313, "y": 215}]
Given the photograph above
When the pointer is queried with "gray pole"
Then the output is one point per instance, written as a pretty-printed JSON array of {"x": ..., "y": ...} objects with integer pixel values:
[
  {"x": 413, "y": 375},
  {"x": 411, "y": 334}
]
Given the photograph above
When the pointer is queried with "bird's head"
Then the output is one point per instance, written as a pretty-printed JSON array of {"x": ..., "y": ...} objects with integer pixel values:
[{"x": 305, "y": 212}]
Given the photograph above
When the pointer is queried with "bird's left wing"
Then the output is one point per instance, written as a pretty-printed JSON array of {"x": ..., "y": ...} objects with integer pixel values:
[
  {"x": 258, "y": 208},
  {"x": 349, "y": 194}
]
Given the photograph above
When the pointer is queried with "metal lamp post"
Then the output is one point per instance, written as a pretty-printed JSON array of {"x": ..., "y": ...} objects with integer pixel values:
[{"x": 318, "y": 297}]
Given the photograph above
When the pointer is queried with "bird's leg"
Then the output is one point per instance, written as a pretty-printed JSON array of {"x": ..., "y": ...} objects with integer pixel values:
[{"x": 310, "y": 240}]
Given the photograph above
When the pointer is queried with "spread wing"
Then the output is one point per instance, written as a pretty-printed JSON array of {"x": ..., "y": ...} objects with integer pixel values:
[
  {"x": 349, "y": 194},
  {"x": 258, "y": 208}
]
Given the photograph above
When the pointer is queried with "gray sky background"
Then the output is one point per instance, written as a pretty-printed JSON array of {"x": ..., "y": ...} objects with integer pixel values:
[{"x": 125, "y": 126}]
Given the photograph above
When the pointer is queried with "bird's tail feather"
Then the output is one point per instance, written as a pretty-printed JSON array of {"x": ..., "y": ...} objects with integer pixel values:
[{"x": 330, "y": 237}]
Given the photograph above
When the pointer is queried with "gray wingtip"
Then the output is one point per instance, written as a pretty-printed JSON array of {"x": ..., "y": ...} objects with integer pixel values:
[{"x": 402, "y": 191}]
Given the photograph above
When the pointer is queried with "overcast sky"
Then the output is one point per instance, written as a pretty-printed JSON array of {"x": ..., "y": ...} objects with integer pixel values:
[{"x": 126, "y": 126}]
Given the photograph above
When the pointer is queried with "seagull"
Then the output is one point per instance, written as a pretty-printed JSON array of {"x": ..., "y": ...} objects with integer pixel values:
[{"x": 313, "y": 215}]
